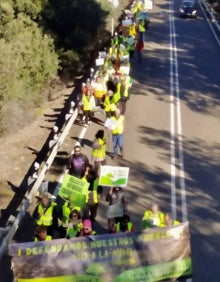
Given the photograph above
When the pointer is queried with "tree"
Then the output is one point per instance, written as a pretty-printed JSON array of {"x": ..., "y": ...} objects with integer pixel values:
[
  {"x": 74, "y": 26},
  {"x": 28, "y": 63}
]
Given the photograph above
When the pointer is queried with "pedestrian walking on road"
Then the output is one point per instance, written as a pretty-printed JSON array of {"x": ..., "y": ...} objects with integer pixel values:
[
  {"x": 118, "y": 134},
  {"x": 99, "y": 150},
  {"x": 139, "y": 49},
  {"x": 88, "y": 106},
  {"x": 78, "y": 163}
]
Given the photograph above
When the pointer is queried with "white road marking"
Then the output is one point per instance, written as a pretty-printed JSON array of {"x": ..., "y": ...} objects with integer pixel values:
[
  {"x": 172, "y": 133},
  {"x": 175, "y": 104}
]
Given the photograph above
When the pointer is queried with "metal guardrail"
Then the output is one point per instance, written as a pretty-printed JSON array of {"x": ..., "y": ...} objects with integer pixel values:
[
  {"x": 28, "y": 199},
  {"x": 211, "y": 14}
]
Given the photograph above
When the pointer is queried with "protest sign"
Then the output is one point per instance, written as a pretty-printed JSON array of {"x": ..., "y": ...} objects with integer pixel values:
[
  {"x": 99, "y": 62},
  {"x": 74, "y": 189},
  {"x": 127, "y": 22},
  {"x": 113, "y": 176},
  {"x": 148, "y": 5},
  {"x": 152, "y": 255},
  {"x": 143, "y": 16},
  {"x": 115, "y": 211},
  {"x": 110, "y": 124}
]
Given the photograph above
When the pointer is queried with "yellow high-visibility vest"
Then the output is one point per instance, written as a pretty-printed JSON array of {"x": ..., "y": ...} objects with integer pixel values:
[
  {"x": 94, "y": 192},
  {"x": 46, "y": 215},
  {"x": 73, "y": 231},
  {"x": 88, "y": 104},
  {"x": 108, "y": 105},
  {"x": 132, "y": 30},
  {"x": 141, "y": 27},
  {"x": 119, "y": 125},
  {"x": 48, "y": 238},
  {"x": 118, "y": 226},
  {"x": 118, "y": 93},
  {"x": 150, "y": 220},
  {"x": 66, "y": 210},
  {"x": 101, "y": 152}
]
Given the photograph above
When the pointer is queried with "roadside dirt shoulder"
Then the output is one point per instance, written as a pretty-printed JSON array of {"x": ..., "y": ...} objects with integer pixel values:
[{"x": 18, "y": 151}]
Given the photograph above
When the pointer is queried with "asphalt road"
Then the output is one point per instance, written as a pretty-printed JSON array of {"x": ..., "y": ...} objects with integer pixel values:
[{"x": 171, "y": 137}]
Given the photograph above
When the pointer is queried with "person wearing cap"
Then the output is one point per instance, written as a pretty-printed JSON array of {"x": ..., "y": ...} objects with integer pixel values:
[
  {"x": 87, "y": 228},
  {"x": 153, "y": 217},
  {"x": 45, "y": 213},
  {"x": 118, "y": 133},
  {"x": 78, "y": 163}
]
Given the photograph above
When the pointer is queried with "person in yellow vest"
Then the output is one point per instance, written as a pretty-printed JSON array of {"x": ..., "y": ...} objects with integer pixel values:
[
  {"x": 169, "y": 221},
  {"x": 74, "y": 224},
  {"x": 100, "y": 89},
  {"x": 99, "y": 150},
  {"x": 41, "y": 234},
  {"x": 123, "y": 88},
  {"x": 109, "y": 104},
  {"x": 87, "y": 229},
  {"x": 130, "y": 45},
  {"x": 45, "y": 214},
  {"x": 90, "y": 210},
  {"x": 118, "y": 133},
  {"x": 88, "y": 105},
  {"x": 141, "y": 29},
  {"x": 66, "y": 210},
  {"x": 153, "y": 217}
]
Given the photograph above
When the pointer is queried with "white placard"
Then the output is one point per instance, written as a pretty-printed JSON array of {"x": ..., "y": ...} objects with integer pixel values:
[
  {"x": 110, "y": 124},
  {"x": 99, "y": 62},
  {"x": 148, "y": 5},
  {"x": 102, "y": 54},
  {"x": 127, "y": 22}
]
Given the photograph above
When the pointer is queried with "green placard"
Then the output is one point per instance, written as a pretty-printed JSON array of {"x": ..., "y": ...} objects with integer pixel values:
[{"x": 74, "y": 189}]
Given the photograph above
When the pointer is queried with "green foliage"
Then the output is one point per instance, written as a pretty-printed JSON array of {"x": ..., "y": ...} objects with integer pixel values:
[
  {"x": 74, "y": 25},
  {"x": 27, "y": 62},
  {"x": 33, "y": 35},
  {"x": 6, "y": 14}
]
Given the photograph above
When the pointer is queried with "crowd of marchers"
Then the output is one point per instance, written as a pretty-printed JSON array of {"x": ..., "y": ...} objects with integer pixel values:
[{"x": 107, "y": 91}]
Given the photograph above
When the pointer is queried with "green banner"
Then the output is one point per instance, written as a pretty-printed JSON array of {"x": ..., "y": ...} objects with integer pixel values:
[
  {"x": 74, "y": 189},
  {"x": 152, "y": 255}
]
